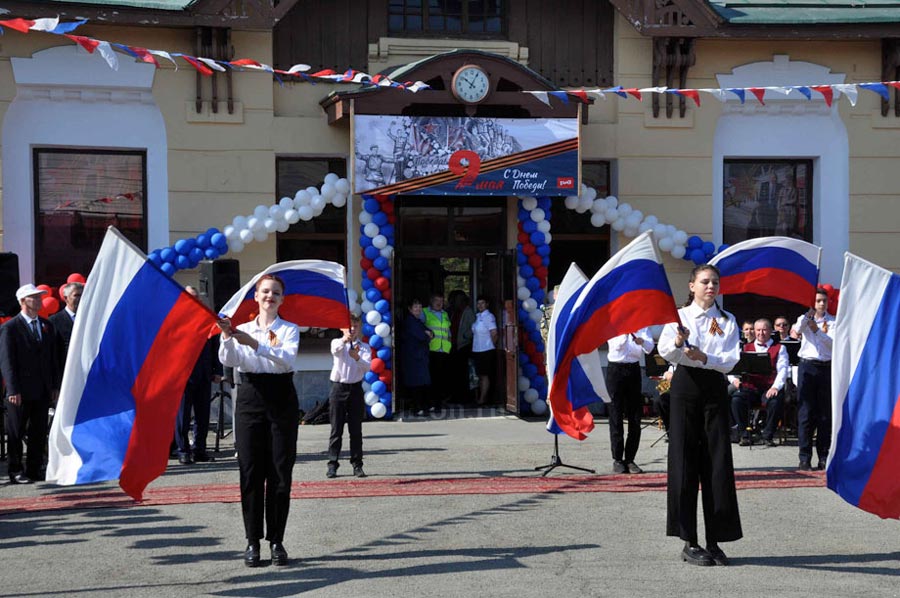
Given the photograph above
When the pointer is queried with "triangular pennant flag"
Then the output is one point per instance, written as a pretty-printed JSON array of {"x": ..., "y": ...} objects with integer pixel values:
[
  {"x": 561, "y": 95},
  {"x": 690, "y": 93},
  {"x": 323, "y": 73},
  {"x": 108, "y": 54},
  {"x": 785, "y": 91},
  {"x": 64, "y": 28},
  {"x": 719, "y": 94},
  {"x": 212, "y": 64},
  {"x": 826, "y": 92},
  {"x": 597, "y": 93},
  {"x": 165, "y": 55},
  {"x": 879, "y": 88},
  {"x": 581, "y": 95},
  {"x": 759, "y": 93},
  {"x": 739, "y": 92},
  {"x": 85, "y": 42},
  {"x": 299, "y": 68},
  {"x": 45, "y": 24},
  {"x": 125, "y": 49},
  {"x": 635, "y": 93},
  {"x": 540, "y": 95},
  {"x": 805, "y": 91},
  {"x": 894, "y": 84},
  {"x": 23, "y": 25},
  {"x": 201, "y": 68},
  {"x": 653, "y": 89},
  {"x": 617, "y": 90},
  {"x": 849, "y": 90}
]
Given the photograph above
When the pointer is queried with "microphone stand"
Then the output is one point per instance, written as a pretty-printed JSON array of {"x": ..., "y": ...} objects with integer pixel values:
[{"x": 556, "y": 461}]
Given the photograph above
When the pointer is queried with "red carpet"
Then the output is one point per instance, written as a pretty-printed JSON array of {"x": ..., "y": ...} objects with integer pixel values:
[{"x": 54, "y": 498}]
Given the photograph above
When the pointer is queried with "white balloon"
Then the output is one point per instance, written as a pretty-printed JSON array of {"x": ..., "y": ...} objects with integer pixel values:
[
  {"x": 670, "y": 230},
  {"x": 378, "y": 410},
  {"x": 292, "y": 216},
  {"x": 301, "y": 198},
  {"x": 239, "y": 223},
  {"x": 520, "y": 282},
  {"x": 367, "y": 306},
  {"x": 625, "y": 209},
  {"x": 537, "y": 214},
  {"x": 598, "y": 206},
  {"x": 355, "y": 310},
  {"x": 339, "y": 200},
  {"x": 286, "y": 203},
  {"x": 637, "y": 215},
  {"x": 584, "y": 204},
  {"x": 644, "y": 227},
  {"x": 592, "y": 193},
  {"x": 312, "y": 191},
  {"x": 366, "y": 386},
  {"x": 524, "y": 383},
  {"x": 260, "y": 235},
  {"x": 659, "y": 231},
  {"x": 678, "y": 251},
  {"x": 630, "y": 231},
  {"x": 269, "y": 225},
  {"x": 598, "y": 220},
  {"x": 531, "y": 395},
  {"x": 680, "y": 237},
  {"x": 618, "y": 224},
  {"x": 633, "y": 220},
  {"x": 342, "y": 186},
  {"x": 306, "y": 213},
  {"x": 383, "y": 330},
  {"x": 373, "y": 317},
  {"x": 236, "y": 245},
  {"x": 245, "y": 236},
  {"x": 544, "y": 226},
  {"x": 371, "y": 398},
  {"x": 352, "y": 295},
  {"x": 254, "y": 223},
  {"x": 536, "y": 316},
  {"x": 529, "y": 304},
  {"x": 539, "y": 407},
  {"x": 379, "y": 241},
  {"x": 389, "y": 341},
  {"x": 331, "y": 178},
  {"x": 612, "y": 214},
  {"x": 651, "y": 220},
  {"x": 230, "y": 232},
  {"x": 370, "y": 230},
  {"x": 571, "y": 202},
  {"x": 275, "y": 212},
  {"x": 666, "y": 244},
  {"x": 529, "y": 203},
  {"x": 317, "y": 203},
  {"x": 547, "y": 238},
  {"x": 523, "y": 293},
  {"x": 365, "y": 217},
  {"x": 261, "y": 211},
  {"x": 327, "y": 191},
  {"x": 282, "y": 226},
  {"x": 387, "y": 251},
  {"x": 611, "y": 201}
]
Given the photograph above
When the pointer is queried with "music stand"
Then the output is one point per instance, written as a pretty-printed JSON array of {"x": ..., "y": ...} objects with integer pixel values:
[
  {"x": 556, "y": 461},
  {"x": 752, "y": 363},
  {"x": 793, "y": 350}
]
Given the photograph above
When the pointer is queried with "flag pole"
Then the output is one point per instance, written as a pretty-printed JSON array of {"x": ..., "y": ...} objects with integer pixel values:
[{"x": 556, "y": 461}]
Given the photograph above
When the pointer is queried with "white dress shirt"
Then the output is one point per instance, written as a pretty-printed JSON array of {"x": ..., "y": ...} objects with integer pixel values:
[
  {"x": 481, "y": 331},
  {"x": 722, "y": 349},
  {"x": 346, "y": 369},
  {"x": 276, "y": 353},
  {"x": 818, "y": 344},
  {"x": 782, "y": 363},
  {"x": 624, "y": 349}
]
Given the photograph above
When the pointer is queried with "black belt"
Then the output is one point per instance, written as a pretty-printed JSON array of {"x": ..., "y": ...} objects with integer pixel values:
[
  {"x": 253, "y": 377},
  {"x": 818, "y": 362},
  {"x": 347, "y": 383},
  {"x": 625, "y": 364}
]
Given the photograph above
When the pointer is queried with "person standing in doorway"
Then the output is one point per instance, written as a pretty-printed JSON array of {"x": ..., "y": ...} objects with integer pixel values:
[
  {"x": 414, "y": 340},
  {"x": 438, "y": 321},
  {"x": 461, "y": 319},
  {"x": 623, "y": 381},
  {"x": 484, "y": 347}
]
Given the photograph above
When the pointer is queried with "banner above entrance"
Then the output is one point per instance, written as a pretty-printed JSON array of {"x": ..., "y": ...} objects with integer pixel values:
[{"x": 447, "y": 155}]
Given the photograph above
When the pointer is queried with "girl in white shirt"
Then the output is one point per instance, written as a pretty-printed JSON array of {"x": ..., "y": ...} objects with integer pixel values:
[
  {"x": 705, "y": 347},
  {"x": 484, "y": 347}
]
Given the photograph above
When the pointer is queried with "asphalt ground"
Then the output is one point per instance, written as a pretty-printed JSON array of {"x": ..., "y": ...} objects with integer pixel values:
[{"x": 452, "y": 507}]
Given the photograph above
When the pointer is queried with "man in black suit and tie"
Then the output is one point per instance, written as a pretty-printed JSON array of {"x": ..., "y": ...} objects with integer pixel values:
[
  {"x": 30, "y": 367},
  {"x": 64, "y": 320}
]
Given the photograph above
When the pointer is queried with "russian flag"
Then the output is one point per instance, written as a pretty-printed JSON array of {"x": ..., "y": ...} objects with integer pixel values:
[
  {"x": 865, "y": 386},
  {"x": 138, "y": 335},
  {"x": 628, "y": 293},
  {"x": 586, "y": 383},
  {"x": 779, "y": 267},
  {"x": 315, "y": 295}
]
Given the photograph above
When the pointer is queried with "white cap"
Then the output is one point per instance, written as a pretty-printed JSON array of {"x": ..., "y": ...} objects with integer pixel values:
[{"x": 27, "y": 291}]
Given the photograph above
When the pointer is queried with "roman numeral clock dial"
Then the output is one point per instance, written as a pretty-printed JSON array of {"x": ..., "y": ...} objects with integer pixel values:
[{"x": 470, "y": 84}]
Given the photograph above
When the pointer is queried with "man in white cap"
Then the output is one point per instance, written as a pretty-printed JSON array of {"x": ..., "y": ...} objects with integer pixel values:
[{"x": 29, "y": 364}]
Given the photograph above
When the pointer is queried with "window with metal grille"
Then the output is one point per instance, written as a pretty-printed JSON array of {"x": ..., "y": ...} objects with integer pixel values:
[{"x": 460, "y": 17}]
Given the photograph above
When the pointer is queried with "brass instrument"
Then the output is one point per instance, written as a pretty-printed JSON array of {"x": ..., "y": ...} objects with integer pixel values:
[{"x": 663, "y": 385}]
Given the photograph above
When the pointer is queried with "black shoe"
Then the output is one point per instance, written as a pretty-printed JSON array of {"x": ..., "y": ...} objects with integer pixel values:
[
  {"x": 718, "y": 556},
  {"x": 202, "y": 458},
  {"x": 770, "y": 442},
  {"x": 358, "y": 471},
  {"x": 19, "y": 478},
  {"x": 805, "y": 465},
  {"x": 251, "y": 555},
  {"x": 694, "y": 555},
  {"x": 185, "y": 459},
  {"x": 279, "y": 554},
  {"x": 821, "y": 464},
  {"x": 619, "y": 467},
  {"x": 332, "y": 471},
  {"x": 633, "y": 468}
]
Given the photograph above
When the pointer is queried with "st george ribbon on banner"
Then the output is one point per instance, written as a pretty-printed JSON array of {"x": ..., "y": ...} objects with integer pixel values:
[
  {"x": 779, "y": 267},
  {"x": 628, "y": 293},
  {"x": 586, "y": 383},
  {"x": 315, "y": 295},
  {"x": 865, "y": 386},
  {"x": 138, "y": 335}
]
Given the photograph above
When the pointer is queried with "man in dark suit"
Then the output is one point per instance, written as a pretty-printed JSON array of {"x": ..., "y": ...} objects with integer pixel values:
[
  {"x": 30, "y": 367},
  {"x": 64, "y": 320}
]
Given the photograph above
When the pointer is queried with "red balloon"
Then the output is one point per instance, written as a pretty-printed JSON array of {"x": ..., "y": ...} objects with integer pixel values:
[
  {"x": 828, "y": 288},
  {"x": 528, "y": 249},
  {"x": 386, "y": 294},
  {"x": 75, "y": 277},
  {"x": 61, "y": 296},
  {"x": 541, "y": 271},
  {"x": 534, "y": 260},
  {"x": 382, "y": 283},
  {"x": 378, "y": 365},
  {"x": 45, "y": 288},
  {"x": 373, "y": 273},
  {"x": 523, "y": 237},
  {"x": 530, "y": 348},
  {"x": 365, "y": 263},
  {"x": 386, "y": 377},
  {"x": 49, "y": 306}
]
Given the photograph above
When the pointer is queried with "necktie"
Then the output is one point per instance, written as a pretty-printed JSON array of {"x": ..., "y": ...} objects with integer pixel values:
[{"x": 34, "y": 329}]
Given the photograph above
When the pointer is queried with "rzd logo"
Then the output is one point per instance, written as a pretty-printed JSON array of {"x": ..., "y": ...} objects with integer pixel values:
[{"x": 565, "y": 182}]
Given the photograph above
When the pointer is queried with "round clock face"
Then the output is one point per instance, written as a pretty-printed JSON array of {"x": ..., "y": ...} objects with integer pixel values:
[{"x": 470, "y": 84}]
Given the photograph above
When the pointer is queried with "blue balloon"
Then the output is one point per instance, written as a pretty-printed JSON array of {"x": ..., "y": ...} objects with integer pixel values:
[
  {"x": 523, "y": 213},
  {"x": 375, "y": 341},
  {"x": 154, "y": 257},
  {"x": 167, "y": 255},
  {"x": 537, "y": 238},
  {"x": 533, "y": 284},
  {"x": 529, "y": 226},
  {"x": 722, "y": 247},
  {"x": 534, "y": 335},
  {"x": 523, "y": 315},
  {"x": 380, "y": 218},
  {"x": 384, "y": 354},
  {"x": 386, "y": 272},
  {"x": 545, "y": 204},
  {"x": 182, "y": 262},
  {"x": 184, "y": 246},
  {"x": 530, "y": 370},
  {"x": 370, "y": 377},
  {"x": 382, "y": 305},
  {"x": 365, "y": 241},
  {"x": 697, "y": 256},
  {"x": 379, "y": 387},
  {"x": 219, "y": 241},
  {"x": 202, "y": 241},
  {"x": 373, "y": 294},
  {"x": 526, "y": 271},
  {"x": 523, "y": 359},
  {"x": 362, "y": 230},
  {"x": 543, "y": 250},
  {"x": 694, "y": 242},
  {"x": 386, "y": 317},
  {"x": 168, "y": 268},
  {"x": 539, "y": 344},
  {"x": 386, "y": 399},
  {"x": 381, "y": 263},
  {"x": 196, "y": 254},
  {"x": 211, "y": 253},
  {"x": 708, "y": 247},
  {"x": 372, "y": 206},
  {"x": 538, "y": 296},
  {"x": 387, "y": 230},
  {"x": 372, "y": 252},
  {"x": 368, "y": 329},
  {"x": 687, "y": 255},
  {"x": 521, "y": 258},
  {"x": 367, "y": 284}
]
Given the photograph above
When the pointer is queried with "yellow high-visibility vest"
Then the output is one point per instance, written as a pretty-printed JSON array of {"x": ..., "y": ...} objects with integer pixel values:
[{"x": 439, "y": 324}]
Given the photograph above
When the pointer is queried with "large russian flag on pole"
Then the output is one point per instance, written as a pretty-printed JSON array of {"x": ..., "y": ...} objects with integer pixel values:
[
  {"x": 865, "y": 386},
  {"x": 628, "y": 293},
  {"x": 135, "y": 341},
  {"x": 315, "y": 295},
  {"x": 779, "y": 267}
]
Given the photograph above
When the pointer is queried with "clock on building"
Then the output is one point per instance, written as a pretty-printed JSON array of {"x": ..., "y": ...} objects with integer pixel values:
[{"x": 470, "y": 84}]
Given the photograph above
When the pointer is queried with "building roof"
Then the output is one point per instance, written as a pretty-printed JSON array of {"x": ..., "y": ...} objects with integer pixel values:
[
  {"x": 149, "y": 4},
  {"x": 806, "y": 12}
]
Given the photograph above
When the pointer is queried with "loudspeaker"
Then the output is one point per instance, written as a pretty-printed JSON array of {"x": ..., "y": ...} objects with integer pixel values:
[
  {"x": 219, "y": 280},
  {"x": 9, "y": 284}
]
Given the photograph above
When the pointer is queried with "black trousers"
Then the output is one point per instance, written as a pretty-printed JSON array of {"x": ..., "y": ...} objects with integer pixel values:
[
  {"x": 196, "y": 399},
  {"x": 747, "y": 398},
  {"x": 700, "y": 456},
  {"x": 623, "y": 381},
  {"x": 346, "y": 405},
  {"x": 28, "y": 419},
  {"x": 813, "y": 408},
  {"x": 266, "y": 422},
  {"x": 439, "y": 369}
]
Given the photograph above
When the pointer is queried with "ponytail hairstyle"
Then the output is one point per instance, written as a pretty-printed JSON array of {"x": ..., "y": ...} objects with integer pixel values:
[{"x": 697, "y": 270}]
